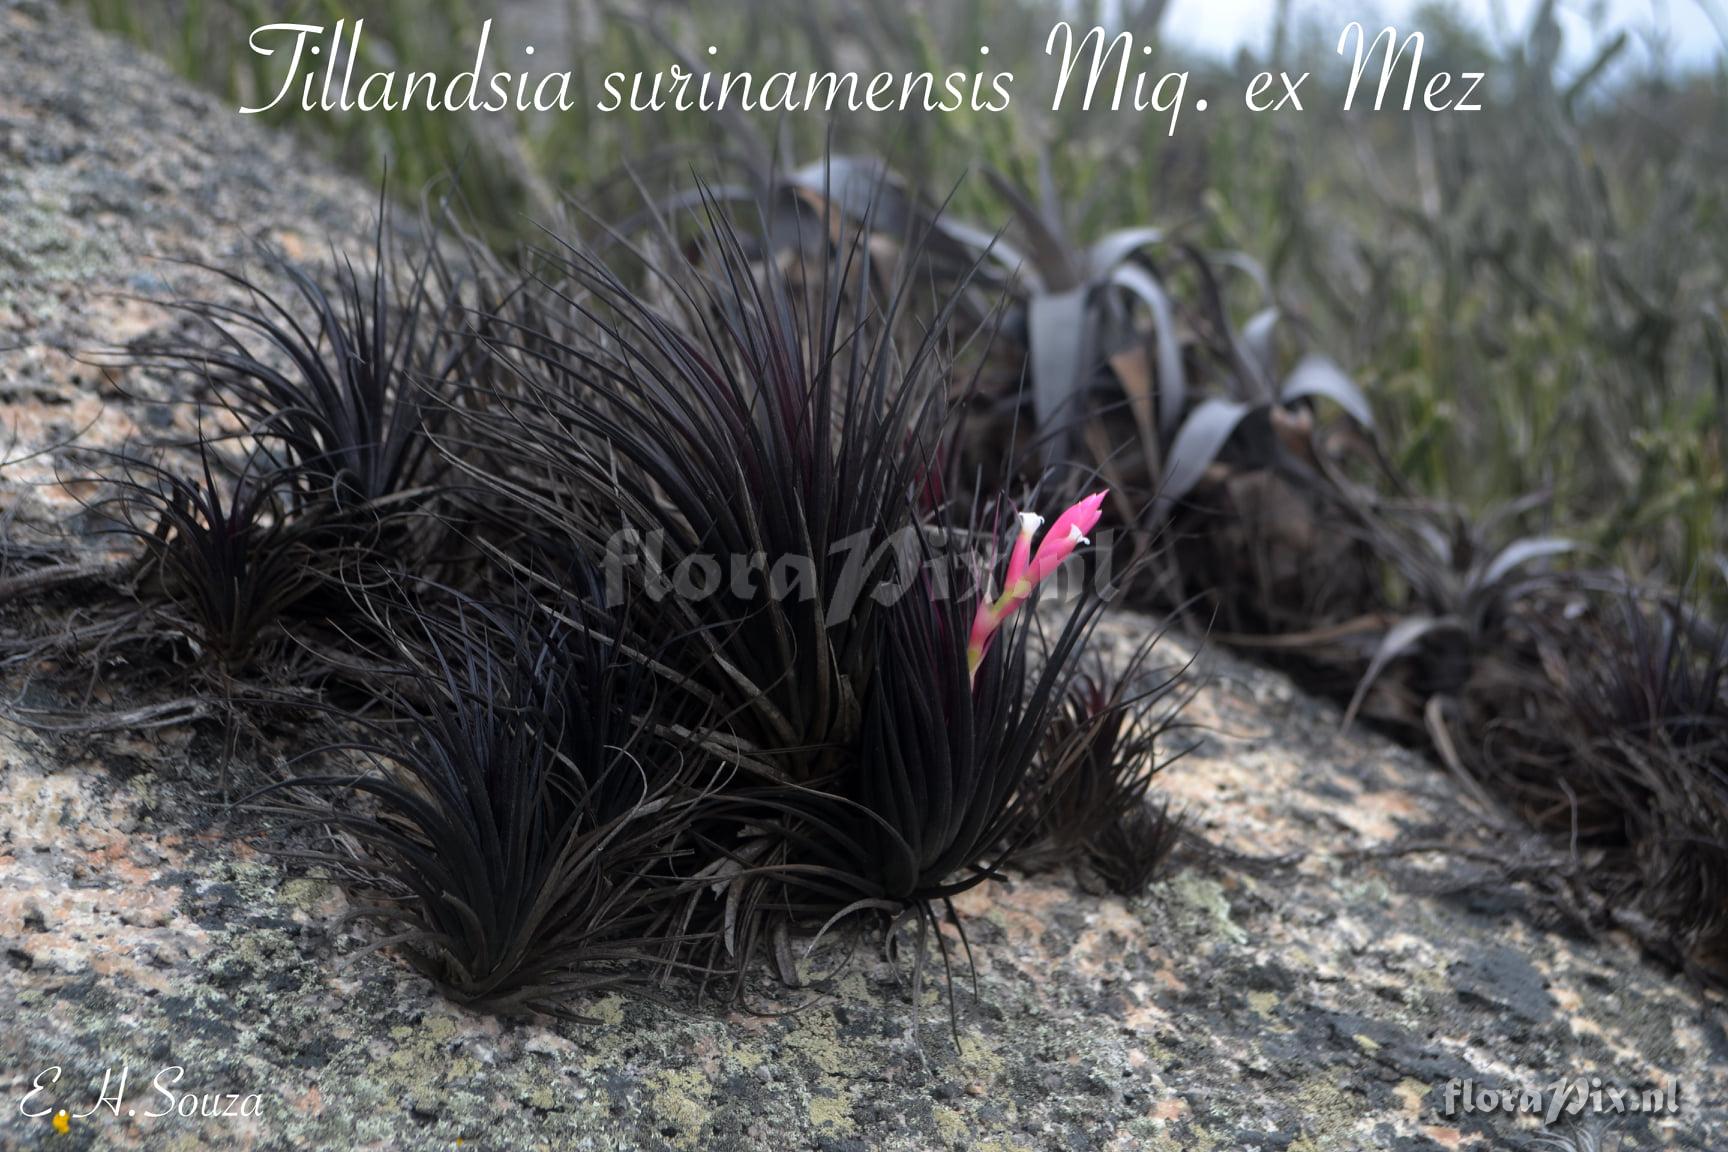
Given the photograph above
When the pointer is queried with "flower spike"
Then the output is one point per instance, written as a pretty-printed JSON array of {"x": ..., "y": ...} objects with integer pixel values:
[{"x": 1066, "y": 534}]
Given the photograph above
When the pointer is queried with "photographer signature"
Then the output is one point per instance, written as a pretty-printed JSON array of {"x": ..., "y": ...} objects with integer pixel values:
[{"x": 162, "y": 1098}]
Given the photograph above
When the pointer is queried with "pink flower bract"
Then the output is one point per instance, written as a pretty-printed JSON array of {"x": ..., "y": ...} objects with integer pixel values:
[{"x": 1068, "y": 532}]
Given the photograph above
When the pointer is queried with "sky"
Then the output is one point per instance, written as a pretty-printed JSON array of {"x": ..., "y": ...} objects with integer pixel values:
[{"x": 1684, "y": 26}]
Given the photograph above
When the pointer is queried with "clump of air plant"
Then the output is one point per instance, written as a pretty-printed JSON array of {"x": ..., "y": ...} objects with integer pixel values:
[
  {"x": 344, "y": 389},
  {"x": 1681, "y": 846},
  {"x": 1604, "y": 726},
  {"x": 1091, "y": 793},
  {"x": 800, "y": 687},
  {"x": 747, "y": 456},
  {"x": 880, "y": 711},
  {"x": 312, "y": 463},
  {"x": 944, "y": 756},
  {"x": 1663, "y": 675},
  {"x": 1132, "y": 850},
  {"x": 337, "y": 379},
  {"x": 1649, "y": 709},
  {"x": 228, "y": 551},
  {"x": 521, "y": 822},
  {"x": 923, "y": 806}
]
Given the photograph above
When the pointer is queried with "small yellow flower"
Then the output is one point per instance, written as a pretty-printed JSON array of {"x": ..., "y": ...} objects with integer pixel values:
[{"x": 62, "y": 1124}]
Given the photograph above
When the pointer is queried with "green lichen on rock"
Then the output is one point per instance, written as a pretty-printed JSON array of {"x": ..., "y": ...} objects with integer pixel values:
[{"x": 1204, "y": 904}]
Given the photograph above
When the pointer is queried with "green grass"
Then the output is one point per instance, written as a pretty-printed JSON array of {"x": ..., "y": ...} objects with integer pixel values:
[{"x": 1534, "y": 297}]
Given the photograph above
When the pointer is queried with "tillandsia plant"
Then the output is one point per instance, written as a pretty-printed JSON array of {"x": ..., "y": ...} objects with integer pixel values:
[
  {"x": 1091, "y": 803},
  {"x": 755, "y": 460},
  {"x": 329, "y": 399},
  {"x": 341, "y": 388},
  {"x": 1621, "y": 748},
  {"x": 747, "y": 456},
  {"x": 522, "y": 822},
  {"x": 1664, "y": 676},
  {"x": 927, "y": 801},
  {"x": 229, "y": 551}
]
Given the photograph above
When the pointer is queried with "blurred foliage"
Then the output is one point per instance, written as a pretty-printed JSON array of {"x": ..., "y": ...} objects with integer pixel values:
[{"x": 1534, "y": 296}]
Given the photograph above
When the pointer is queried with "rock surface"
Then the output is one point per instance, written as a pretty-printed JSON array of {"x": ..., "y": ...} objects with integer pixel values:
[{"x": 1320, "y": 1005}]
